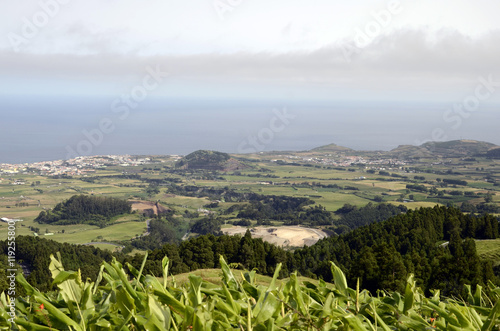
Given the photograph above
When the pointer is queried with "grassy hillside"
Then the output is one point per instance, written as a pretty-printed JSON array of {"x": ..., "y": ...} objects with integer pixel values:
[
  {"x": 215, "y": 276},
  {"x": 206, "y": 160},
  {"x": 457, "y": 148},
  {"x": 489, "y": 250}
]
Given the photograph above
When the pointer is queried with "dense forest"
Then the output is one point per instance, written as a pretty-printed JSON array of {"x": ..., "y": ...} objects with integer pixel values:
[
  {"x": 167, "y": 228},
  {"x": 85, "y": 209},
  {"x": 33, "y": 257},
  {"x": 435, "y": 244}
]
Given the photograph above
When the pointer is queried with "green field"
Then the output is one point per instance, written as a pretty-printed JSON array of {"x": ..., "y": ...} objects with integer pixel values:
[
  {"x": 329, "y": 186},
  {"x": 82, "y": 233}
]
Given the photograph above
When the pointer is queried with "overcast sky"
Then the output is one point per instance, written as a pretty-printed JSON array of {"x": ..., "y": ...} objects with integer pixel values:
[
  {"x": 314, "y": 48},
  {"x": 316, "y": 51}
]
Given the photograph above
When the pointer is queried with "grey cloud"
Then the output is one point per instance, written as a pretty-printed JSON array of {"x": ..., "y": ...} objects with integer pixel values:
[{"x": 406, "y": 59}]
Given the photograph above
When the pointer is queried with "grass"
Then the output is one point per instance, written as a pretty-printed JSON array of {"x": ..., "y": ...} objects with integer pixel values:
[
  {"x": 108, "y": 247},
  {"x": 82, "y": 233},
  {"x": 394, "y": 186},
  {"x": 214, "y": 276},
  {"x": 116, "y": 232},
  {"x": 489, "y": 250},
  {"x": 183, "y": 202}
]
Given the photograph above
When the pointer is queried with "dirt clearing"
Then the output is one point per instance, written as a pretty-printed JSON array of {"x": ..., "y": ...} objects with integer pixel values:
[
  {"x": 285, "y": 236},
  {"x": 147, "y": 207}
]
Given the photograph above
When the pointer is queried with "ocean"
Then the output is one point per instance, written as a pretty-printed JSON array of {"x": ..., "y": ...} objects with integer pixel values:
[{"x": 50, "y": 128}]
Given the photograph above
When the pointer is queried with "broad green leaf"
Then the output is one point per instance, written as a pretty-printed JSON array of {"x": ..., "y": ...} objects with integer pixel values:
[
  {"x": 339, "y": 279},
  {"x": 409, "y": 294},
  {"x": 125, "y": 302},
  {"x": 98, "y": 280},
  {"x": 492, "y": 318},
  {"x": 236, "y": 308},
  {"x": 30, "y": 290},
  {"x": 56, "y": 313},
  {"x": 354, "y": 322},
  {"x": 140, "y": 272},
  {"x": 62, "y": 276},
  {"x": 164, "y": 265},
  {"x": 32, "y": 326},
  {"x": 228, "y": 275},
  {"x": 195, "y": 290},
  {"x": 465, "y": 322},
  {"x": 267, "y": 307},
  {"x": 275, "y": 277},
  {"x": 478, "y": 295},
  {"x": 166, "y": 298}
]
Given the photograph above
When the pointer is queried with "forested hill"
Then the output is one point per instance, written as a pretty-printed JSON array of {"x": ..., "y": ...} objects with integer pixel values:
[
  {"x": 382, "y": 254},
  {"x": 436, "y": 244},
  {"x": 207, "y": 160},
  {"x": 33, "y": 257}
]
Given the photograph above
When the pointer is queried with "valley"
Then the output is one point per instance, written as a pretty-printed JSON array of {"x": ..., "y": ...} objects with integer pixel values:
[{"x": 217, "y": 185}]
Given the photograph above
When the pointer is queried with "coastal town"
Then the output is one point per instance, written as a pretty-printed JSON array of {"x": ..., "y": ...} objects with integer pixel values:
[
  {"x": 77, "y": 166},
  {"x": 347, "y": 160},
  {"x": 83, "y": 165}
]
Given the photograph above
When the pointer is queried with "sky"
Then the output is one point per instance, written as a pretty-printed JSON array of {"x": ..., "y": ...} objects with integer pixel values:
[{"x": 404, "y": 60}]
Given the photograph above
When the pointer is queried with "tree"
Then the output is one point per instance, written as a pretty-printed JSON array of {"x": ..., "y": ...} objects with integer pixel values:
[
  {"x": 392, "y": 271},
  {"x": 488, "y": 198},
  {"x": 208, "y": 225},
  {"x": 468, "y": 207},
  {"x": 366, "y": 269},
  {"x": 152, "y": 190},
  {"x": 246, "y": 251}
]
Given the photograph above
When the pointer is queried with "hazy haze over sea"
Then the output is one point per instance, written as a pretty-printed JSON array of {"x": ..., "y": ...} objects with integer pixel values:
[
  {"x": 41, "y": 128},
  {"x": 366, "y": 74}
]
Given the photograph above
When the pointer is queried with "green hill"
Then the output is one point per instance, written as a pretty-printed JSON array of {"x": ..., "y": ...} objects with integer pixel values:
[
  {"x": 445, "y": 149},
  {"x": 410, "y": 151},
  {"x": 208, "y": 160},
  {"x": 331, "y": 148},
  {"x": 493, "y": 153},
  {"x": 458, "y": 148}
]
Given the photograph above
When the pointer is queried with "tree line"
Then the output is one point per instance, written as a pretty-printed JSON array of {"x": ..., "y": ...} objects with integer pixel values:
[{"x": 436, "y": 244}]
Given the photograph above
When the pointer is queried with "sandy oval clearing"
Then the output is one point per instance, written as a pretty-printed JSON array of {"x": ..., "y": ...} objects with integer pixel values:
[{"x": 292, "y": 236}]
